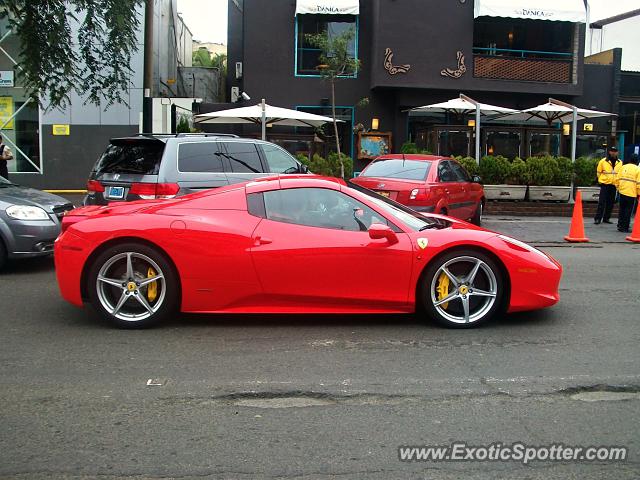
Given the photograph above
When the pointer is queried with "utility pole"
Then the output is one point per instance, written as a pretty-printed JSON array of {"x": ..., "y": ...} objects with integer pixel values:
[{"x": 147, "y": 83}]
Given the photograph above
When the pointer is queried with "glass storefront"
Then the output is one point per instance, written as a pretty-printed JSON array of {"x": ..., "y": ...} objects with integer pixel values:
[
  {"x": 503, "y": 142},
  {"x": 541, "y": 143},
  {"x": 19, "y": 115}
]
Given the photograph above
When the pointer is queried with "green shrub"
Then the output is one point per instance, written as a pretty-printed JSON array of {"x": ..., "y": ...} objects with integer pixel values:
[
  {"x": 469, "y": 163},
  {"x": 542, "y": 170},
  {"x": 518, "y": 173},
  {"x": 585, "y": 171},
  {"x": 494, "y": 170},
  {"x": 334, "y": 165},
  {"x": 408, "y": 148},
  {"x": 564, "y": 173}
]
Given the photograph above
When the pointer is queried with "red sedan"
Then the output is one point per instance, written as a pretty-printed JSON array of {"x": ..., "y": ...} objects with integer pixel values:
[
  {"x": 292, "y": 245},
  {"x": 427, "y": 184}
]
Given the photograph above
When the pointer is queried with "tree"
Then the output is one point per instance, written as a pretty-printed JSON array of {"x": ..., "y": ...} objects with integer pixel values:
[
  {"x": 54, "y": 61},
  {"x": 202, "y": 58},
  {"x": 335, "y": 63}
]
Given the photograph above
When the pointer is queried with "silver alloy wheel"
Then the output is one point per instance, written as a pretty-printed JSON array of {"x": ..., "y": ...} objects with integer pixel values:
[
  {"x": 122, "y": 285},
  {"x": 475, "y": 289}
]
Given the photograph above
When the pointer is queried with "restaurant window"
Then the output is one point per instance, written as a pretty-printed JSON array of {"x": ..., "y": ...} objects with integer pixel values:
[
  {"x": 503, "y": 143},
  {"x": 453, "y": 143},
  {"x": 544, "y": 144},
  {"x": 307, "y": 55},
  {"x": 592, "y": 146}
]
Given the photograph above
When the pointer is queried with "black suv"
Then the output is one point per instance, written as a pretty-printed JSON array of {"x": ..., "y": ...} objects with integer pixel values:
[{"x": 148, "y": 166}]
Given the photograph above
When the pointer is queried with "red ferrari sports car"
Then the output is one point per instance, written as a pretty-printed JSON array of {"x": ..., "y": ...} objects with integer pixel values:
[
  {"x": 296, "y": 244},
  {"x": 426, "y": 183}
]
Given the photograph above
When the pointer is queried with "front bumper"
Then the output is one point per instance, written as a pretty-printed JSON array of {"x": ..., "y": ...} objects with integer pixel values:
[{"x": 26, "y": 238}]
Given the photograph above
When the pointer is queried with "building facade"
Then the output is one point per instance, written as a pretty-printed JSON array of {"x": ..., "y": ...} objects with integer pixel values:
[
  {"x": 413, "y": 53},
  {"x": 55, "y": 148}
]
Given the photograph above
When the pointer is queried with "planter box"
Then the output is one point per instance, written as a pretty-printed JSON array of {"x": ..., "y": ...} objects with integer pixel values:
[
  {"x": 549, "y": 194},
  {"x": 590, "y": 194},
  {"x": 505, "y": 192}
]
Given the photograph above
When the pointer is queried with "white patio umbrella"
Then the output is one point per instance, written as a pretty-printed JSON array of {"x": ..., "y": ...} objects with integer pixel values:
[
  {"x": 557, "y": 111},
  {"x": 464, "y": 105},
  {"x": 263, "y": 114}
]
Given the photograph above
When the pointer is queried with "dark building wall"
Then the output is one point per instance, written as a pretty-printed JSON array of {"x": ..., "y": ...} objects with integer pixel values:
[
  {"x": 68, "y": 160},
  {"x": 426, "y": 34}
]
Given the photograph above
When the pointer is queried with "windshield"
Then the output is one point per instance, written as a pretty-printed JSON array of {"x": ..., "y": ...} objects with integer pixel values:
[
  {"x": 411, "y": 218},
  {"x": 398, "y": 168},
  {"x": 131, "y": 156}
]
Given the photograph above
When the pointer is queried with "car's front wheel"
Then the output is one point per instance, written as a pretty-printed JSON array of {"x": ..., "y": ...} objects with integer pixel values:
[
  {"x": 462, "y": 289},
  {"x": 477, "y": 217},
  {"x": 132, "y": 286}
]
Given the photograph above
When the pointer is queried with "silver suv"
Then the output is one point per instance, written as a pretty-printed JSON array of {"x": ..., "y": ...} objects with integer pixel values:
[{"x": 149, "y": 166}]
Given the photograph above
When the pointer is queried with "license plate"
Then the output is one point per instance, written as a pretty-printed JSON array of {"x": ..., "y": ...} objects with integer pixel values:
[
  {"x": 115, "y": 192},
  {"x": 384, "y": 194}
]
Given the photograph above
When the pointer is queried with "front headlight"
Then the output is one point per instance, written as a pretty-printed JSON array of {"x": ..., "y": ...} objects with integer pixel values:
[{"x": 27, "y": 212}]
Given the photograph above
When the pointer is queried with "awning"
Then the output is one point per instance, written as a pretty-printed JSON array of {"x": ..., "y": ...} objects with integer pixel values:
[
  {"x": 558, "y": 10},
  {"x": 328, "y": 7}
]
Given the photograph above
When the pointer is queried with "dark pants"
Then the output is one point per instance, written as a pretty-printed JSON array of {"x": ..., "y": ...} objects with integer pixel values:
[
  {"x": 605, "y": 202},
  {"x": 4, "y": 171},
  {"x": 626, "y": 207}
]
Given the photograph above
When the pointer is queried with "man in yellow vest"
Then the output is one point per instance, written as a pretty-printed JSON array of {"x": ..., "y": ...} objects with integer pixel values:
[
  {"x": 607, "y": 169},
  {"x": 628, "y": 184}
]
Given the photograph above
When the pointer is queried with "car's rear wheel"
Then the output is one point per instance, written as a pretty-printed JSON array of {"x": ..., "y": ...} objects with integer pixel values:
[
  {"x": 477, "y": 217},
  {"x": 132, "y": 286},
  {"x": 462, "y": 289}
]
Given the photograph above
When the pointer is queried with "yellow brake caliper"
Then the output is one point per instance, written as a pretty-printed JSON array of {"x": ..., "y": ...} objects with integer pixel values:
[
  {"x": 152, "y": 288},
  {"x": 443, "y": 288}
]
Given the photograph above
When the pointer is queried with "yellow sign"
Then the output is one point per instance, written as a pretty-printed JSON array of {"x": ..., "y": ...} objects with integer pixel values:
[
  {"x": 60, "y": 129},
  {"x": 6, "y": 112},
  {"x": 566, "y": 129},
  {"x": 422, "y": 243},
  {"x": 588, "y": 127}
]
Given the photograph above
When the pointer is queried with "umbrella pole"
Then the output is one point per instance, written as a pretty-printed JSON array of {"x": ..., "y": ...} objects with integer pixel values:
[
  {"x": 574, "y": 133},
  {"x": 478, "y": 133},
  {"x": 264, "y": 121}
]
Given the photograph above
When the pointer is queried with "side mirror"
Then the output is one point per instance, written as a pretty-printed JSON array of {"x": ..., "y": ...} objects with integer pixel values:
[
  {"x": 378, "y": 231},
  {"x": 304, "y": 168},
  {"x": 476, "y": 179}
]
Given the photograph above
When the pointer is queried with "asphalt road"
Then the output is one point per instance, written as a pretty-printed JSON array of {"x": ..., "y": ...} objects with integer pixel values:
[{"x": 319, "y": 397}]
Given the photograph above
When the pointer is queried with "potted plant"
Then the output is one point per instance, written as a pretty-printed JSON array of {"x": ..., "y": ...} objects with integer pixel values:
[
  {"x": 550, "y": 178},
  {"x": 586, "y": 179},
  {"x": 499, "y": 183}
]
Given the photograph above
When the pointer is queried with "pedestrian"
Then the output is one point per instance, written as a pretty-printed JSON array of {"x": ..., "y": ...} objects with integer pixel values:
[
  {"x": 5, "y": 156},
  {"x": 607, "y": 169},
  {"x": 627, "y": 184}
]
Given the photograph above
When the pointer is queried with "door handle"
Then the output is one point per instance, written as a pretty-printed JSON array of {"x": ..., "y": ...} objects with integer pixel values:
[{"x": 261, "y": 241}]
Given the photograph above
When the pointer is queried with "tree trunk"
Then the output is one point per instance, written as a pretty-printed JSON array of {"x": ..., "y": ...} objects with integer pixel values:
[{"x": 335, "y": 125}]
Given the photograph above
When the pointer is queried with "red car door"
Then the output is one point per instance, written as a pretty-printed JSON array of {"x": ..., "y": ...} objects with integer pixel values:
[
  {"x": 313, "y": 250},
  {"x": 451, "y": 190},
  {"x": 470, "y": 192}
]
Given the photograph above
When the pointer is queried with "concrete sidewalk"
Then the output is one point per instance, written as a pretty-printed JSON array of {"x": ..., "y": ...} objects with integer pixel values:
[{"x": 552, "y": 229}]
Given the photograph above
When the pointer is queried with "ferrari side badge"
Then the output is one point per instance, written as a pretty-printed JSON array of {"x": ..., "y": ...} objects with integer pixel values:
[{"x": 422, "y": 243}]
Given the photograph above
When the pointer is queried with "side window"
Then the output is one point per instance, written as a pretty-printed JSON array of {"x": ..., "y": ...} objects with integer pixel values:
[
  {"x": 445, "y": 173},
  {"x": 279, "y": 161},
  {"x": 255, "y": 205},
  {"x": 461, "y": 173},
  {"x": 319, "y": 207},
  {"x": 243, "y": 157},
  {"x": 199, "y": 157}
]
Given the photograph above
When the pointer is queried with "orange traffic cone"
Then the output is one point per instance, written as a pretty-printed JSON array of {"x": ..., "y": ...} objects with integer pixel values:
[
  {"x": 635, "y": 233},
  {"x": 576, "y": 232}
]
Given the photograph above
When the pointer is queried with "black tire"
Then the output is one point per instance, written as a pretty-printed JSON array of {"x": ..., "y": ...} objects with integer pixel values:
[
  {"x": 164, "y": 302},
  {"x": 3, "y": 255},
  {"x": 480, "y": 308},
  {"x": 477, "y": 217}
]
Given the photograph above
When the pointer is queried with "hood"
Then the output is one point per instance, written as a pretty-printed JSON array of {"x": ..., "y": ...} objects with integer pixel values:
[{"x": 17, "y": 195}]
